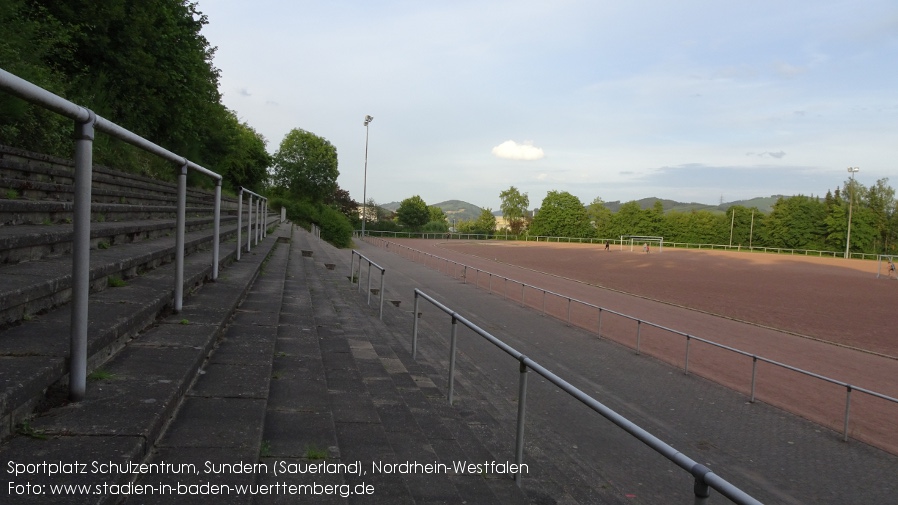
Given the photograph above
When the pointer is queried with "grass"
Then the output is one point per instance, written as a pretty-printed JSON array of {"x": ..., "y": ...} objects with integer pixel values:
[
  {"x": 27, "y": 430},
  {"x": 115, "y": 281},
  {"x": 11, "y": 194},
  {"x": 313, "y": 452},
  {"x": 100, "y": 375},
  {"x": 102, "y": 245},
  {"x": 184, "y": 321},
  {"x": 265, "y": 449}
]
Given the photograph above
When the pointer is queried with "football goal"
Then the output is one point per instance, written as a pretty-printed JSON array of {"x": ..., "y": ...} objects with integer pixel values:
[
  {"x": 886, "y": 266},
  {"x": 642, "y": 243}
]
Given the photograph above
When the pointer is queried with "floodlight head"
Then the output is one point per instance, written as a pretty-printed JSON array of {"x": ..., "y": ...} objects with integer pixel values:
[
  {"x": 854, "y": 169},
  {"x": 368, "y": 119}
]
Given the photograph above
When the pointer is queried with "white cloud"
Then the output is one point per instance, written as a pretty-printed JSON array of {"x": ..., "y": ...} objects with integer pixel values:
[{"x": 511, "y": 150}]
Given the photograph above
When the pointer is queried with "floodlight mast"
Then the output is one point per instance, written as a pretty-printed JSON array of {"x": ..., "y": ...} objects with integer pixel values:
[
  {"x": 852, "y": 171},
  {"x": 368, "y": 119}
]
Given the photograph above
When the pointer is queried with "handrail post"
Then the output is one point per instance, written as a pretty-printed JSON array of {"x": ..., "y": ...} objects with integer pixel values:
[
  {"x": 568, "y": 311},
  {"x": 638, "y": 334},
  {"x": 700, "y": 489},
  {"x": 522, "y": 411},
  {"x": 249, "y": 224},
  {"x": 216, "y": 229},
  {"x": 84, "y": 138},
  {"x": 239, "y": 221},
  {"x": 452, "y": 345},
  {"x": 415, "y": 328},
  {"x": 259, "y": 220},
  {"x": 544, "y": 302},
  {"x": 686, "y": 367},
  {"x": 599, "y": 329},
  {"x": 754, "y": 374},
  {"x": 352, "y": 264},
  {"x": 380, "y": 313},
  {"x": 847, "y": 412},
  {"x": 179, "y": 239},
  {"x": 368, "y": 299},
  {"x": 522, "y": 295}
]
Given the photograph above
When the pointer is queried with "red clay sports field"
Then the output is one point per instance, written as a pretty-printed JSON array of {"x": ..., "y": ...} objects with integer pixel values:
[{"x": 828, "y": 316}]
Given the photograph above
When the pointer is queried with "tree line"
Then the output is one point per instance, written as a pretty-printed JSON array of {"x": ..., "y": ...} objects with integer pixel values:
[{"x": 796, "y": 222}]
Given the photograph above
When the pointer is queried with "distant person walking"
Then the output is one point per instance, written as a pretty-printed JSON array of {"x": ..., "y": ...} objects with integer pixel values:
[
  {"x": 892, "y": 270},
  {"x": 645, "y": 247},
  {"x": 607, "y": 245}
]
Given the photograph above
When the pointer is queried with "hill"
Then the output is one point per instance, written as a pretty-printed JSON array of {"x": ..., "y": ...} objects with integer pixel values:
[{"x": 456, "y": 210}]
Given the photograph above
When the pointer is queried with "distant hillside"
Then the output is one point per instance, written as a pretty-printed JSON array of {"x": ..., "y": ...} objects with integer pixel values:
[
  {"x": 456, "y": 210},
  {"x": 464, "y": 211},
  {"x": 763, "y": 204}
]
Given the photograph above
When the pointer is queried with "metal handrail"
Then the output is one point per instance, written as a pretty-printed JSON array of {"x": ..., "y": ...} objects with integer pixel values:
[
  {"x": 86, "y": 122},
  {"x": 262, "y": 203},
  {"x": 705, "y": 479},
  {"x": 353, "y": 276},
  {"x": 689, "y": 337}
]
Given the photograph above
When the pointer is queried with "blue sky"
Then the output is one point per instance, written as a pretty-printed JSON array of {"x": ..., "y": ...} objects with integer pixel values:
[{"x": 688, "y": 100}]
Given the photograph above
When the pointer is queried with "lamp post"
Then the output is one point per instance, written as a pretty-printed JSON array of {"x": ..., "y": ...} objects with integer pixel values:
[
  {"x": 368, "y": 120},
  {"x": 852, "y": 171}
]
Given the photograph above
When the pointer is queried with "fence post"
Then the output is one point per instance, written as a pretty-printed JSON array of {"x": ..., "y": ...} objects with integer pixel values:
[
  {"x": 84, "y": 138},
  {"x": 686, "y": 367},
  {"x": 544, "y": 302},
  {"x": 352, "y": 265},
  {"x": 847, "y": 411},
  {"x": 415, "y": 328},
  {"x": 522, "y": 410},
  {"x": 179, "y": 239},
  {"x": 368, "y": 299},
  {"x": 216, "y": 229},
  {"x": 239, "y": 220},
  {"x": 568, "y": 311},
  {"x": 452, "y": 344},
  {"x": 522, "y": 295}
]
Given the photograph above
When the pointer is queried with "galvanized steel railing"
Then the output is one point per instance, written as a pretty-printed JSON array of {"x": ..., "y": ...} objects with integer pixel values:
[
  {"x": 357, "y": 277},
  {"x": 261, "y": 213},
  {"x": 849, "y": 388},
  {"x": 705, "y": 479},
  {"x": 86, "y": 122}
]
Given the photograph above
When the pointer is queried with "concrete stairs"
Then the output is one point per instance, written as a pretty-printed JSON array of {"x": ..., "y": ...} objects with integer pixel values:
[{"x": 131, "y": 269}]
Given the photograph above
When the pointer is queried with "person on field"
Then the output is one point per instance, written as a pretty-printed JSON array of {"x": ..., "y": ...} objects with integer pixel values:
[
  {"x": 645, "y": 247},
  {"x": 892, "y": 269},
  {"x": 607, "y": 245}
]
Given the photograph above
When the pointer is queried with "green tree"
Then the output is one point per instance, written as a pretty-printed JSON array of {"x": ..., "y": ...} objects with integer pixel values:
[
  {"x": 601, "y": 218},
  {"x": 796, "y": 222},
  {"x": 485, "y": 224},
  {"x": 305, "y": 166},
  {"x": 437, "y": 214},
  {"x": 561, "y": 215},
  {"x": 413, "y": 213},
  {"x": 514, "y": 208},
  {"x": 245, "y": 162}
]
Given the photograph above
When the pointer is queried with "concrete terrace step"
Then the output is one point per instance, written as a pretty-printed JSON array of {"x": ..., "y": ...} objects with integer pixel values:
[
  {"x": 43, "y": 212},
  {"x": 385, "y": 406},
  {"x": 126, "y": 409},
  {"x": 31, "y": 287}
]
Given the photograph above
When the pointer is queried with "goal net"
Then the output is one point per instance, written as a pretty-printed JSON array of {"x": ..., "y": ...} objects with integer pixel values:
[{"x": 642, "y": 243}]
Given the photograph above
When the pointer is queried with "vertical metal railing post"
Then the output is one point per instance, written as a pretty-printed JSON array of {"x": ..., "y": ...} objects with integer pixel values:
[
  {"x": 754, "y": 375},
  {"x": 179, "y": 239},
  {"x": 452, "y": 344},
  {"x": 260, "y": 220},
  {"x": 216, "y": 229},
  {"x": 265, "y": 213},
  {"x": 239, "y": 221},
  {"x": 249, "y": 223},
  {"x": 847, "y": 412},
  {"x": 380, "y": 313},
  {"x": 686, "y": 365},
  {"x": 638, "y": 333},
  {"x": 701, "y": 490},
  {"x": 352, "y": 265},
  {"x": 568, "y": 311},
  {"x": 415, "y": 328},
  {"x": 544, "y": 302},
  {"x": 84, "y": 138},
  {"x": 522, "y": 411},
  {"x": 599, "y": 332},
  {"x": 522, "y": 295},
  {"x": 368, "y": 299}
]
